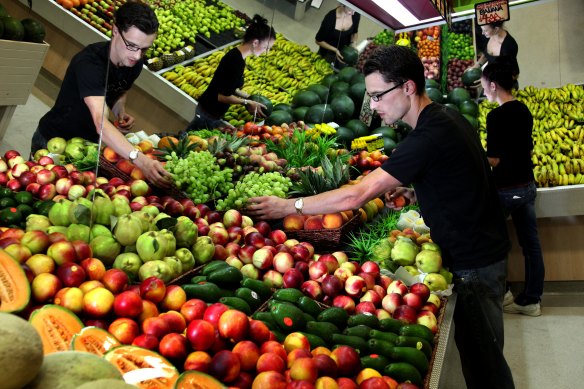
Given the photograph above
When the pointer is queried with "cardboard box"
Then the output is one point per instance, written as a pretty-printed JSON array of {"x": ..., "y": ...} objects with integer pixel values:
[{"x": 19, "y": 68}]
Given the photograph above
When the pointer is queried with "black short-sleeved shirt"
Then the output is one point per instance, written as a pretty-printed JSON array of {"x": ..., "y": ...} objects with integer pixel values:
[
  {"x": 444, "y": 160},
  {"x": 329, "y": 34},
  {"x": 227, "y": 78},
  {"x": 86, "y": 76},
  {"x": 509, "y": 138},
  {"x": 508, "y": 52}
]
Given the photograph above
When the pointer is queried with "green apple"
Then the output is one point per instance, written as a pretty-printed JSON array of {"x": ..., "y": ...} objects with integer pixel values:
[
  {"x": 447, "y": 275},
  {"x": 429, "y": 261},
  {"x": 430, "y": 246},
  {"x": 435, "y": 282},
  {"x": 129, "y": 263},
  {"x": 404, "y": 252},
  {"x": 412, "y": 270},
  {"x": 57, "y": 145},
  {"x": 40, "y": 153}
]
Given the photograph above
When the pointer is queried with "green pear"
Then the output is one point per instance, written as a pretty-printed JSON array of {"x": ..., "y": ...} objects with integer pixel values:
[{"x": 59, "y": 213}]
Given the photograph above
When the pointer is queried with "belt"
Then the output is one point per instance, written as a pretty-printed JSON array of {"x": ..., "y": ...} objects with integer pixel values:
[{"x": 516, "y": 186}]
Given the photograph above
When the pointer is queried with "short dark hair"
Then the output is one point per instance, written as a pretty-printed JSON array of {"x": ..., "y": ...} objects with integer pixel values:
[
  {"x": 500, "y": 72},
  {"x": 137, "y": 14},
  {"x": 259, "y": 29},
  {"x": 497, "y": 24},
  {"x": 396, "y": 64}
]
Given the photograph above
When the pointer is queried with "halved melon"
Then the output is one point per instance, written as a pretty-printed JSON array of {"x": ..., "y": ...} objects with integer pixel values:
[
  {"x": 94, "y": 340},
  {"x": 193, "y": 379},
  {"x": 143, "y": 368},
  {"x": 56, "y": 325},
  {"x": 14, "y": 286}
]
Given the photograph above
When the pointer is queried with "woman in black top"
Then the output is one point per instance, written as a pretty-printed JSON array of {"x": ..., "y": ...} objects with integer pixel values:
[
  {"x": 509, "y": 148},
  {"x": 338, "y": 29},
  {"x": 500, "y": 44},
  {"x": 228, "y": 78}
]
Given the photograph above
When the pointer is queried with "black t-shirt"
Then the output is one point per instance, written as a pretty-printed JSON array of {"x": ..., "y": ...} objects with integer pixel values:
[
  {"x": 86, "y": 76},
  {"x": 329, "y": 34},
  {"x": 509, "y": 138},
  {"x": 227, "y": 78},
  {"x": 508, "y": 52},
  {"x": 444, "y": 160}
]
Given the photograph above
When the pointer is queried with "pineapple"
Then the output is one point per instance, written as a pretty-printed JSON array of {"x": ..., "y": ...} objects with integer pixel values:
[
  {"x": 179, "y": 56},
  {"x": 189, "y": 51},
  {"x": 182, "y": 149},
  {"x": 328, "y": 176},
  {"x": 155, "y": 64},
  {"x": 168, "y": 59}
]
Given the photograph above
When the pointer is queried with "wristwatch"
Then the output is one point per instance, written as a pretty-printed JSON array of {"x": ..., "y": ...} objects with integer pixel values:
[
  {"x": 245, "y": 102},
  {"x": 299, "y": 204},
  {"x": 133, "y": 155}
]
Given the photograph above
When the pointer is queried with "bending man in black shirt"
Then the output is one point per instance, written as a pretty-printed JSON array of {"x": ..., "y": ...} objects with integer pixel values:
[
  {"x": 444, "y": 160},
  {"x": 228, "y": 78},
  {"x": 79, "y": 108}
]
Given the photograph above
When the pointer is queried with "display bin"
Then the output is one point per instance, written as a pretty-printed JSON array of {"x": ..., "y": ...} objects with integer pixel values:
[
  {"x": 327, "y": 239},
  {"x": 19, "y": 68}
]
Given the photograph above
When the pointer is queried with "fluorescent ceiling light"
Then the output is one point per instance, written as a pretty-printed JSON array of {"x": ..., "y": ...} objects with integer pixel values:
[{"x": 397, "y": 11}]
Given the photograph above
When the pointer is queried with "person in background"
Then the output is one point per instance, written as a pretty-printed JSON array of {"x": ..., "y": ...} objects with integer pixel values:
[
  {"x": 228, "y": 78},
  {"x": 84, "y": 94},
  {"x": 443, "y": 159},
  {"x": 339, "y": 28},
  {"x": 500, "y": 44},
  {"x": 509, "y": 148}
]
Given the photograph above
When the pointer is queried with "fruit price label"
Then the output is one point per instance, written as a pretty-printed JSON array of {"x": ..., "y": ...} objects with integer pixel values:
[{"x": 492, "y": 11}]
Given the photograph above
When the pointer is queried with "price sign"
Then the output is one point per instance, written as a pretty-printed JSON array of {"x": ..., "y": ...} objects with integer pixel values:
[{"x": 492, "y": 11}]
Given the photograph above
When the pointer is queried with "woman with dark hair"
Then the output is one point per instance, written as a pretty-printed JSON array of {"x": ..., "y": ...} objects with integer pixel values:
[
  {"x": 509, "y": 148},
  {"x": 500, "y": 44},
  {"x": 338, "y": 29},
  {"x": 228, "y": 78}
]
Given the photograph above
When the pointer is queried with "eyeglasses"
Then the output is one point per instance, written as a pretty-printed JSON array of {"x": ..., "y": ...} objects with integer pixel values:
[
  {"x": 378, "y": 96},
  {"x": 131, "y": 46}
]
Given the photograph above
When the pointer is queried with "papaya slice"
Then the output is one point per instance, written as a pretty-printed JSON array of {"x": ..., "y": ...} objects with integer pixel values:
[
  {"x": 56, "y": 325},
  {"x": 143, "y": 368},
  {"x": 193, "y": 379},
  {"x": 14, "y": 286},
  {"x": 94, "y": 340}
]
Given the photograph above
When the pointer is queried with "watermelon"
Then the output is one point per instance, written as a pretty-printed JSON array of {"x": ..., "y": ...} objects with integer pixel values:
[
  {"x": 3, "y": 12},
  {"x": 471, "y": 75},
  {"x": 299, "y": 113},
  {"x": 339, "y": 88},
  {"x": 350, "y": 55},
  {"x": 435, "y": 95},
  {"x": 13, "y": 29},
  {"x": 457, "y": 96},
  {"x": 386, "y": 132},
  {"x": 358, "y": 127},
  {"x": 33, "y": 31},
  {"x": 343, "y": 108},
  {"x": 357, "y": 93},
  {"x": 279, "y": 117},
  {"x": 305, "y": 98},
  {"x": 472, "y": 120},
  {"x": 357, "y": 79},
  {"x": 346, "y": 74},
  {"x": 282, "y": 107},
  {"x": 329, "y": 80},
  {"x": 321, "y": 90},
  {"x": 345, "y": 136},
  {"x": 469, "y": 107},
  {"x": 430, "y": 83},
  {"x": 388, "y": 145},
  {"x": 453, "y": 106},
  {"x": 319, "y": 113},
  {"x": 265, "y": 101}
]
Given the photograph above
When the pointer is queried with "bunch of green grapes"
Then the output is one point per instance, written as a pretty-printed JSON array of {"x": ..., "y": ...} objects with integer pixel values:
[
  {"x": 199, "y": 176},
  {"x": 252, "y": 185}
]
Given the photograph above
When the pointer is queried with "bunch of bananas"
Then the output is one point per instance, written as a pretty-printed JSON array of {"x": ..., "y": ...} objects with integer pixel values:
[
  {"x": 194, "y": 79},
  {"x": 321, "y": 129},
  {"x": 558, "y": 132},
  {"x": 403, "y": 39}
]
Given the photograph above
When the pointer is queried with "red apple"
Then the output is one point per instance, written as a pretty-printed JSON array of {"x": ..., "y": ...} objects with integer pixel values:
[
  {"x": 128, "y": 304},
  {"x": 421, "y": 289},
  {"x": 365, "y": 307},
  {"x": 292, "y": 278},
  {"x": 153, "y": 289},
  {"x": 71, "y": 274},
  {"x": 413, "y": 300}
]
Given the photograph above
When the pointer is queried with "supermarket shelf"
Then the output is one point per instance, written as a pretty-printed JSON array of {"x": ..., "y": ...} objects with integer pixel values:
[{"x": 560, "y": 201}]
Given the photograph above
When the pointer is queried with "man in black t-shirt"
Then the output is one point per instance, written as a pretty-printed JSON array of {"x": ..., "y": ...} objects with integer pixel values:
[
  {"x": 443, "y": 159},
  {"x": 84, "y": 95}
]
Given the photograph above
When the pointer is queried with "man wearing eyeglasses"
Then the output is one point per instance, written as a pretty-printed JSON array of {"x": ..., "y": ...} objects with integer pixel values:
[
  {"x": 96, "y": 82},
  {"x": 443, "y": 159}
]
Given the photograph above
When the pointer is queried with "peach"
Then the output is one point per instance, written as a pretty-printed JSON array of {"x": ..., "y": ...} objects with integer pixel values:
[
  {"x": 40, "y": 263},
  {"x": 326, "y": 383},
  {"x": 89, "y": 285},
  {"x": 173, "y": 346},
  {"x": 346, "y": 383},
  {"x": 225, "y": 366},
  {"x": 297, "y": 354},
  {"x": 269, "y": 379},
  {"x": 320, "y": 350},
  {"x": 304, "y": 369},
  {"x": 193, "y": 309},
  {"x": 146, "y": 341},
  {"x": 258, "y": 332},
  {"x": 347, "y": 360},
  {"x": 270, "y": 362},
  {"x": 201, "y": 334},
  {"x": 248, "y": 353},
  {"x": 125, "y": 166},
  {"x": 98, "y": 302},
  {"x": 271, "y": 346},
  {"x": 332, "y": 220},
  {"x": 296, "y": 340},
  {"x": 110, "y": 155},
  {"x": 198, "y": 360},
  {"x": 233, "y": 325},
  {"x": 313, "y": 223},
  {"x": 70, "y": 298},
  {"x": 94, "y": 268},
  {"x": 326, "y": 365},
  {"x": 149, "y": 309},
  {"x": 174, "y": 298},
  {"x": 125, "y": 330},
  {"x": 366, "y": 374},
  {"x": 293, "y": 222},
  {"x": 175, "y": 320},
  {"x": 156, "y": 326}
]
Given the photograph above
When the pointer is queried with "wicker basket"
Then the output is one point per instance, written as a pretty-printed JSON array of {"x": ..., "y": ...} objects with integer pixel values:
[
  {"x": 109, "y": 170},
  {"x": 326, "y": 239}
]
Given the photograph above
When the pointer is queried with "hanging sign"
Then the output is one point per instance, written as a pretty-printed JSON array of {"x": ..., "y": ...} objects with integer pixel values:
[{"x": 492, "y": 11}]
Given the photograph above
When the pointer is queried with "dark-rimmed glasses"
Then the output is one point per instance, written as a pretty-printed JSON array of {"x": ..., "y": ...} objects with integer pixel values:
[
  {"x": 378, "y": 96},
  {"x": 131, "y": 46}
]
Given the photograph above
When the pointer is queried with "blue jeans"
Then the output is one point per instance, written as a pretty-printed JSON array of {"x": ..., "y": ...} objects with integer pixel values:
[
  {"x": 520, "y": 204},
  {"x": 478, "y": 323}
]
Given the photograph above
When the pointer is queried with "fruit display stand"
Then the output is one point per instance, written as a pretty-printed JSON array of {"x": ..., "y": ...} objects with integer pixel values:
[{"x": 21, "y": 63}]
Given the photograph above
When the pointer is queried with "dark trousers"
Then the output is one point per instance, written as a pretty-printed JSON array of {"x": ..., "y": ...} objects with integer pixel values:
[
  {"x": 478, "y": 321},
  {"x": 520, "y": 204},
  {"x": 203, "y": 120},
  {"x": 38, "y": 142}
]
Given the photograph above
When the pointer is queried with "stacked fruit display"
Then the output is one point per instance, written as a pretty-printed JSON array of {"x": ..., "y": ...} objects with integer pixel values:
[
  {"x": 28, "y": 30},
  {"x": 76, "y": 151},
  {"x": 458, "y": 54},
  {"x": 98, "y": 14},
  {"x": 371, "y": 46},
  {"x": 385, "y": 37},
  {"x": 558, "y": 132}
]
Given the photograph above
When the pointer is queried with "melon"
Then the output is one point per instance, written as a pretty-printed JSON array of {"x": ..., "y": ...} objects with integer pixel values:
[
  {"x": 321, "y": 90},
  {"x": 13, "y": 29},
  {"x": 430, "y": 83},
  {"x": 21, "y": 351},
  {"x": 469, "y": 107},
  {"x": 33, "y": 31},
  {"x": 358, "y": 127},
  {"x": 195, "y": 379},
  {"x": 319, "y": 113},
  {"x": 339, "y": 88},
  {"x": 357, "y": 93},
  {"x": 385, "y": 131},
  {"x": 435, "y": 95},
  {"x": 388, "y": 145},
  {"x": 265, "y": 101},
  {"x": 299, "y": 113},
  {"x": 71, "y": 369},
  {"x": 94, "y": 340},
  {"x": 14, "y": 288},
  {"x": 283, "y": 107},
  {"x": 305, "y": 98},
  {"x": 343, "y": 108},
  {"x": 471, "y": 75},
  {"x": 329, "y": 79},
  {"x": 279, "y": 117},
  {"x": 56, "y": 325},
  {"x": 350, "y": 55},
  {"x": 345, "y": 136},
  {"x": 357, "y": 78},
  {"x": 453, "y": 106},
  {"x": 346, "y": 74},
  {"x": 472, "y": 120},
  {"x": 457, "y": 96},
  {"x": 107, "y": 383}
]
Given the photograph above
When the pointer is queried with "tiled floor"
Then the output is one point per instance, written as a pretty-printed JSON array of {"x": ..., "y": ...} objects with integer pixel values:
[{"x": 544, "y": 352}]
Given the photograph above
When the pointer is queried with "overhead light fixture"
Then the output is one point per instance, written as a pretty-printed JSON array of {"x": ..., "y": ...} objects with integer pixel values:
[{"x": 397, "y": 11}]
